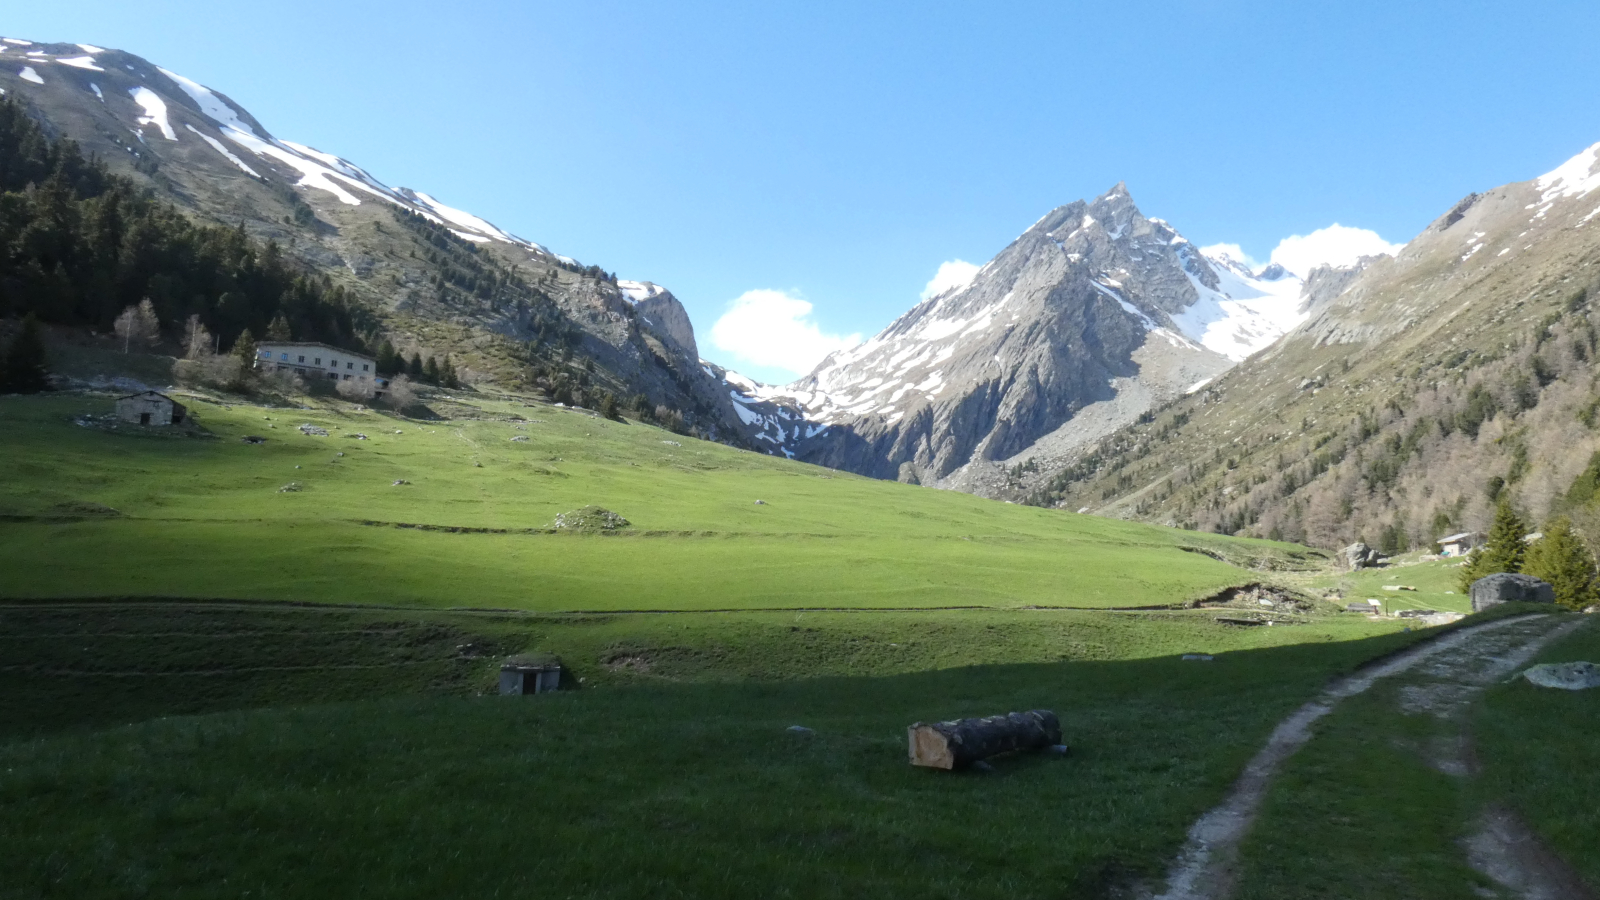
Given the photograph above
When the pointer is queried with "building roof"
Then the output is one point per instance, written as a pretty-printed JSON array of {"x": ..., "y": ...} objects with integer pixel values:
[
  {"x": 157, "y": 393},
  {"x": 530, "y": 662},
  {"x": 308, "y": 344},
  {"x": 1453, "y": 538}
]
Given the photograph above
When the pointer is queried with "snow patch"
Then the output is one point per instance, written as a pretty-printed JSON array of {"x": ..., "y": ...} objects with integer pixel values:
[
  {"x": 96, "y": 88},
  {"x": 1573, "y": 178},
  {"x": 155, "y": 111},
  {"x": 220, "y": 148},
  {"x": 91, "y": 49},
  {"x": 18, "y": 41},
  {"x": 81, "y": 62},
  {"x": 28, "y": 74}
]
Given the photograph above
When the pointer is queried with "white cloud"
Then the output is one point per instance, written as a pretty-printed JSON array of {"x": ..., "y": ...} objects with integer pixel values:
[
  {"x": 1231, "y": 250},
  {"x": 953, "y": 274},
  {"x": 1336, "y": 245},
  {"x": 774, "y": 330}
]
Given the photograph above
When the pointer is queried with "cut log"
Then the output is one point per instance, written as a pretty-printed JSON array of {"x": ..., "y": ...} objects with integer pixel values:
[{"x": 952, "y": 745}]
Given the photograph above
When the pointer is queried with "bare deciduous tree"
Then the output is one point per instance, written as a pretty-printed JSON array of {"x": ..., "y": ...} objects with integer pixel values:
[{"x": 138, "y": 326}]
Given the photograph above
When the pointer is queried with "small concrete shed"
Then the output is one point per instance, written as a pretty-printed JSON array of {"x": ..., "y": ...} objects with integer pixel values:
[
  {"x": 530, "y": 673},
  {"x": 150, "y": 408}
]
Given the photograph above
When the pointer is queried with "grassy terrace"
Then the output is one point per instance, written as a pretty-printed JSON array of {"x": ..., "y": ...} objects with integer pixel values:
[{"x": 205, "y": 518}]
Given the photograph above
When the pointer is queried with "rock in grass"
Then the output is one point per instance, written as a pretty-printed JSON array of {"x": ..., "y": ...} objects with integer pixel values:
[
  {"x": 292, "y": 487},
  {"x": 1507, "y": 587},
  {"x": 1199, "y": 657},
  {"x": 800, "y": 729},
  {"x": 312, "y": 430},
  {"x": 589, "y": 519},
  {"x": 981, "y": 766},
  {"x": 1572, "y": 676}
]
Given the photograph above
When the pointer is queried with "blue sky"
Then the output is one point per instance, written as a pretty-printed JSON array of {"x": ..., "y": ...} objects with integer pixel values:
[{"x": 835, "y": 154}]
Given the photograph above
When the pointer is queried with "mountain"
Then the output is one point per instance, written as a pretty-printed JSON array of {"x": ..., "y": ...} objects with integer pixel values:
[
  {"x": 1092, "y": 317},
  {"x": 437, "y": 280},
  {"x": 1422, "y": 389}
]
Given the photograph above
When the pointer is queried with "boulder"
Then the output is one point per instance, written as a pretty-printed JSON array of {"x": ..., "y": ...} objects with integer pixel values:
[
  {"x": 1359, "y": 556},
  {"x": 1572, "y": 676},
  {"x": 1506, "y": 587}
]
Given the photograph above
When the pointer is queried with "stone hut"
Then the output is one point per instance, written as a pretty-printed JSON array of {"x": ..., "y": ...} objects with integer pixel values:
[
  {"x": 150, "y": 408},
  {"x": 530, "y": 673},
  {"x": 1459, "y": 544}
]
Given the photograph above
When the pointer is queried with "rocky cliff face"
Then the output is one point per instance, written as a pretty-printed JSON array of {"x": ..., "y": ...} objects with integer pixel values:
[
  {"x": 1089, "y": 319},
  {"x": 438, "y": 288}
]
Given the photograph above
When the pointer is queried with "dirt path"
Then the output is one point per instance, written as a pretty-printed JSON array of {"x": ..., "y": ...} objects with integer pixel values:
[{"x": 1459, "y": 666}]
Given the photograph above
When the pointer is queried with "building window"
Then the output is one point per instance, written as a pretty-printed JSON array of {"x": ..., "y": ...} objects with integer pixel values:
[
  {"x": 283, "y": 356},
  {"x": 302, "y": 359},
  {"x": 317, "y": 361},
  {"x": 349, "y": 365},
  {"x": 364, "y": 368},
  {"x": 333, "y": 376},
  {"x": 334, "y": 363},
  {"x": 363, "y": 378},
  {"x": 347, "y": 378},
  {"x": 266, "y": 354}
]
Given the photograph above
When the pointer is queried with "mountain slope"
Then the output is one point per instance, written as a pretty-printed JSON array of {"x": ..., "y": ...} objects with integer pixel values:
[
  {"x": 1087, "y": 320},
  {"x": 439, "y": 280},
  {"x": 1434, "y": 383}
]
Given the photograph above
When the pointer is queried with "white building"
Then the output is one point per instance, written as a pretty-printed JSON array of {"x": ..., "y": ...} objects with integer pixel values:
[
  {"x": 1459, "y": 544},
  {"x": 320, "y": 361}
]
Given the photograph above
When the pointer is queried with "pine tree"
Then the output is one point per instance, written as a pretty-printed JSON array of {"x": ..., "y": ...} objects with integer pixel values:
[
  {"x": 389, "y": 362},
  {"x": 450, "y": 378},
  {"x": 1504, "y": 551},
  {"x": 431, "y": 371},
  {"x": 414, "y": 367},
  {"x": 1564, "y": 560},
  {"x": 279, "y": 329},
  {"x": 26, "y": 369}
]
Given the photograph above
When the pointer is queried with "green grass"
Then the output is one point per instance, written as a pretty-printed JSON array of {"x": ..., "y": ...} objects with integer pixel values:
[
  {"x": 75, "y": 665},
  {"x": 670, "y": 790},
  {"x": 1358, "y": 813},
  {"x": 1435, "y": 582},
  {"x": 1540, "y": 752},
  {"x": 205, "y": 518}
]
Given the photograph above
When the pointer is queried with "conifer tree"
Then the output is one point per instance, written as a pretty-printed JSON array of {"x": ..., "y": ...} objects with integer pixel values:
[
  {"x": 279, "y": 329},
  {"x": 26, "y": 368},
  {"x": 1563, "y": 559},
  {"x": 449, "y": 373},
  {"x": 414, "y": 367},
  {"x": 1504, "y": 551},
  {"x": 430, "y": 371},
  {"x": 389, "y": 362}
]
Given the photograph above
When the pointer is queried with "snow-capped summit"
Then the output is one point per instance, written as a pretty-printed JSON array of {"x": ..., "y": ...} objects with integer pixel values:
[{"x": 1090, "y": 318}]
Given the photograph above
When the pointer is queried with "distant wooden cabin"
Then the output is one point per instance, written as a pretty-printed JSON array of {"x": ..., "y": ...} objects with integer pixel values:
[
  {"x": 150, "y": 408},
  {"x": 530, "y": 673},
  {"x": 1459, "y": 544}
]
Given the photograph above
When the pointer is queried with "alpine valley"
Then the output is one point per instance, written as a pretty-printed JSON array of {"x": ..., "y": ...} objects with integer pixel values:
[{"x": 1100, "y": 362}]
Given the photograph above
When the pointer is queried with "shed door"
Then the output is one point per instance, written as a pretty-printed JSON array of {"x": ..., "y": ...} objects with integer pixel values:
[{"x": 144, "y": 418}]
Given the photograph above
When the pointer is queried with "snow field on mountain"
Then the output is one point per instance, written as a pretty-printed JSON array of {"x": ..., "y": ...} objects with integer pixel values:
[
  {"x": 155, "y": 111},
  {"x": 28, "y": 74}
]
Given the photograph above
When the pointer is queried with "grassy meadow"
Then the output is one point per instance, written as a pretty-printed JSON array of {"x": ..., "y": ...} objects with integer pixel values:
[
  {"x": 1539, "y": 752},
  {"x": 660, "y": 790},
  {"x": 1435, "y": 583},
  {"x": 207, "y": 518},
  {"x": 210, "y": 686}
]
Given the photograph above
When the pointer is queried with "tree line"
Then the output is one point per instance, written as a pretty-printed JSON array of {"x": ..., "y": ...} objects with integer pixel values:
[{"x": 79, "y": 245}]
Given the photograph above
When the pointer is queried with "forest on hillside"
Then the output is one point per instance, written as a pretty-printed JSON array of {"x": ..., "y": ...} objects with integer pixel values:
[
  {"x": 1439, "y": 443},
  {"x": 80, "y": 244}
]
